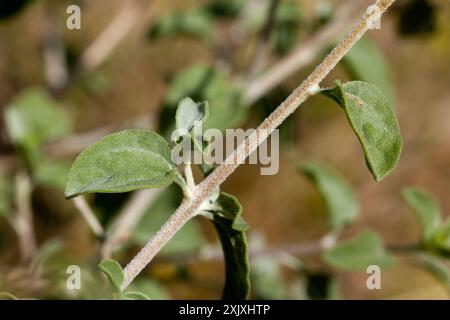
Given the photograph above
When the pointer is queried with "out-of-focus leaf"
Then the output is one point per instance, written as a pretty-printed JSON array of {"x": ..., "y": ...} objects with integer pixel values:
[
  {"x": 358, "y": 253},
  {"x": 203, "y": 83},
  {"x": 374, "y": 123},
  {"x": 190, "y": 112},
  {"x": 188, "y": 239},
  {"x": 121, "y": 162},
  {"x": 340, "y": 199},
  {"x": 52, "y": 173},
  {"x": 267, "y": 280},
  {"x": 151, "y": 289},
  {"x": 191, "y": 22},
  {"x": 32, "y": 119},
  {"x": 426, "y": 209},
  {"x": 11, "y": 8},
  {"x": 436, "y": 266},
  {"x": 441, "y": 239},
  {"x": 231, "y": 227},
  {"x": 366, "y": 63},
  {"x": 114, "y": 273},
  {"x": 287, "y": 22}
]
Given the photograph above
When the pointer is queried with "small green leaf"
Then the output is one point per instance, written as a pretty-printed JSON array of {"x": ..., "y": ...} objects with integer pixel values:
[
  {"x": 191, "y": 22},
  {"x": 366, "y": 63},
  {"x": 190, "y": 112},
  {"x": 441, "y": 239},
  {"x": 374, "y": 123},
  {"x": 267, "y": 280},
  {"x": 203, "y": 83},
  {"x": 149, "y": 288},
  {"x": 426, "y": 209},
  {"x": 134, "y": 295},
  {"x": 51, "y": 173},
  {"x": 358, "y": 253},
  {"x": 32, "y": 119},
  {"x": 340, "y": 199},
  {"x": 231, "y": 228},
  {"x": 436, "y": 266},
  {"x": 114, "y": 272},
  {"x": 121, "y": 162}
]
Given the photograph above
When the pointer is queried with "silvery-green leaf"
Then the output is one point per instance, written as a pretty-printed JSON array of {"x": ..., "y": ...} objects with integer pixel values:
[
  {"x": 149, "y": 288},
  {"x": 436, "y": 266},
  {"x": 190, "y": 112},
  {"x": 121, "y": 162},
  {"x": 114, "y": 272},
  {"x": 374, "y": 123},
  {"x": 358, "y": 253},
  {"x": 340, "y": 199},
  {"x": 426, "y": 210}
]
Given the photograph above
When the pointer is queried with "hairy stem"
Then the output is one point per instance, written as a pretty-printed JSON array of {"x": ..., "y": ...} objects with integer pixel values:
[{"x": 188, "y": 207}]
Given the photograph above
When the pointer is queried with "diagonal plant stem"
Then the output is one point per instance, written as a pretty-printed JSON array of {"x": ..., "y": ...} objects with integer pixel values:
[
  {"x": 188, "y": 207},
  {"x": 87, "y": 213}
]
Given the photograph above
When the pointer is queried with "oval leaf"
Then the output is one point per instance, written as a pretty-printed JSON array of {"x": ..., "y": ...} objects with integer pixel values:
[
  {"x": 426, "y": 209},
  {"x": 374, "y": 123},
  {"x": 121, "y": 162},
  {"x": 337, "y": 193},
  {"x": 190, "y": 112},
  {"x": 114, "y": 272},
  {"x": 358, "y": 253}
]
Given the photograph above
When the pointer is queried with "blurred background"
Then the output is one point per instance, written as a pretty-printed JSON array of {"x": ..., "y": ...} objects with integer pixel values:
[{"x": 129, "y": 65}]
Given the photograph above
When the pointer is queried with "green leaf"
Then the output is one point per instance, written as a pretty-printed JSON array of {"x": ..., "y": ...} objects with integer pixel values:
[
  {"x": 358, "y": 253},
  {"x": 190, "y": 112},
  {"x": 134, "y": 295},
  {"x": 340, "y": 199},
  {"x": 188, "y": 239},
  {"x": 203, "y": 83},
  {"x": 267, "y": 280},
  {"x": 426, "y": 210},
  {"x": 374, "y": 123},
  {"x": 436, "y": 266},
  {"x": 231, "y": 228},
  {"x": 32, "y": 119},
  {"x": 441, "y": 239},
  {"x": 114, "y": 272},
  {"x": 149, "y": 288},
  {"x": 365, "y": 62},
  {"x": 191, "y": 22},
  {"x": 121, "y": 162},
  {"x": 51, "y": 173}
]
